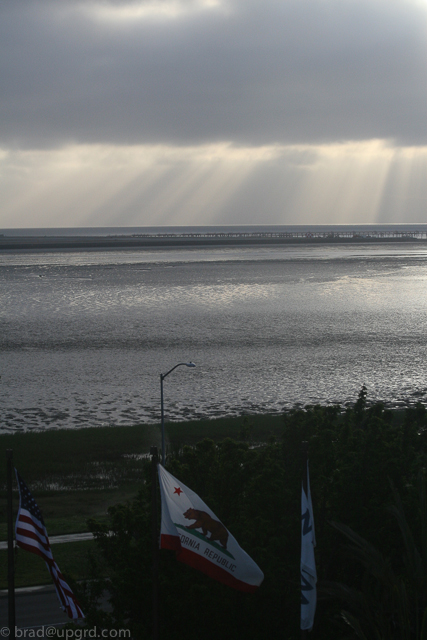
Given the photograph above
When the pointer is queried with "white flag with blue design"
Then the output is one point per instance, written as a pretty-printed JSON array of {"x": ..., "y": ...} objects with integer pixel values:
[{"x": 308, "y": 565}]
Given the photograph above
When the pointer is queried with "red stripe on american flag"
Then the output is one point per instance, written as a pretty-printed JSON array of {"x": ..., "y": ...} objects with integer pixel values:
[
  {"x": 65, "y": 595},
  {"x": 30, "y": 535},
  {"x": 32, "y": 549},
  {"x": 32, "y": 521}
]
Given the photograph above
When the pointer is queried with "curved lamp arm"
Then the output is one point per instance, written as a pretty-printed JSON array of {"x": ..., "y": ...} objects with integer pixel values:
[
  {"x": 162, "y": 377},
  {"x": 180, "y": 364}
]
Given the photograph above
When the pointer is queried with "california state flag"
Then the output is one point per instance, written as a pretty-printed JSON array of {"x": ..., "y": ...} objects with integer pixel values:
[{"x": 191, "y": 529}]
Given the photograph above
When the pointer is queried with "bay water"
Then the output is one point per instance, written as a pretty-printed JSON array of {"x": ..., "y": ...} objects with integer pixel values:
[{"x": 84, "y": 335}]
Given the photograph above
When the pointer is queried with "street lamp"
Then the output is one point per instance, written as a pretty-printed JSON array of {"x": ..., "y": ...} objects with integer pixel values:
[{"x": 162, "y": 377}]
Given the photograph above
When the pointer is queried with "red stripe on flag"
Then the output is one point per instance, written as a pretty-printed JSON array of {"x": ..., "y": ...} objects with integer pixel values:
[
  {"x": 32, "y": 522},
  {"x": 213, "y": 571},
  {"x": 36, "y": 550},
  {"x": 203, "y": 564},
  {"x": 65, "y": 595},
  {"x": 170, "y": 542},
  {"x": 26, "y": 533}
]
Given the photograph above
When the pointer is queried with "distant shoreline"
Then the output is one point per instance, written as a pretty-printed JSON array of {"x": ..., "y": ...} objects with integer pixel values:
[{"x": 77, "y": 243}]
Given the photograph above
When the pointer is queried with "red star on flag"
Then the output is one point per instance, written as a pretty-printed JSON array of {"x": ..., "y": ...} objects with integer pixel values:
[{"x": 178, "y": 490}]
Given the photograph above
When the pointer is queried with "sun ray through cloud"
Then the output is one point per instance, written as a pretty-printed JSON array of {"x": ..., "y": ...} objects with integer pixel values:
[{"x": 157, "y": 184}]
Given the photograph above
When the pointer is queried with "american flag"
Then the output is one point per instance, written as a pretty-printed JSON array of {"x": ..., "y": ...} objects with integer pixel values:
[{"x": 31, "y": 534}]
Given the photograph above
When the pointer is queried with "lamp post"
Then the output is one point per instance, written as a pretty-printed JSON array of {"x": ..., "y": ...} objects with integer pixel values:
[{"x": 162, "y": 377}]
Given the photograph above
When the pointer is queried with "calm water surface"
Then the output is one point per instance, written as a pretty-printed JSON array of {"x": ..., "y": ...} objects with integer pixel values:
[{"x": 85, "y": 335}]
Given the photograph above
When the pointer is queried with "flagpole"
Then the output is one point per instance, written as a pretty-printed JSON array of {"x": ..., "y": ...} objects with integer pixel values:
[
  {"x": 10, "y": 558},
  {"x": 155, "y": 543},
  {"x": 304, "y": 452}
]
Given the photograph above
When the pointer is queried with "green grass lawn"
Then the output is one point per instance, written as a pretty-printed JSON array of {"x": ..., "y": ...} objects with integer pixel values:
[
  {"x": 68, "y": 511},
  {"x": 78, "y": 474},
  {"x": 108, "y": 458},
  {"x": 72, "y": 558}
]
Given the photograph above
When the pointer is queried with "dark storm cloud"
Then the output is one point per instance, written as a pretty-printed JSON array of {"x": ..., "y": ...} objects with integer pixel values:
[{"x": 253, "y": 72}]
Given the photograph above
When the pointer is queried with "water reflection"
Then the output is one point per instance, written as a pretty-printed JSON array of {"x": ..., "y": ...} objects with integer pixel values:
[{"x": 83, "y": 344}]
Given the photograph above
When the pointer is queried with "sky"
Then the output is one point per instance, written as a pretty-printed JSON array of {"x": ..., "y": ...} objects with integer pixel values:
[{"x": 192, "y": 112}]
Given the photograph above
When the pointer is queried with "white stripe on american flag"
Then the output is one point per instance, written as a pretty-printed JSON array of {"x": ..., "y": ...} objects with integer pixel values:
[
  {"x": 29, "y": 521},
  {"x": 64, "y": 592},
  {"x": 24, "y": 529},
  {"x": 30, "y": 532}
]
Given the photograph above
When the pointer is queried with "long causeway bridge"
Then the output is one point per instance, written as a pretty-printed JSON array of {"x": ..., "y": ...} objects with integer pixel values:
[{"x": 207, "y": 238}]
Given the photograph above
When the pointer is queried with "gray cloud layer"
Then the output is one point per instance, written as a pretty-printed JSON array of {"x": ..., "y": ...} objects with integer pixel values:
[{"x": 261, "y": 72}]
